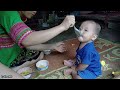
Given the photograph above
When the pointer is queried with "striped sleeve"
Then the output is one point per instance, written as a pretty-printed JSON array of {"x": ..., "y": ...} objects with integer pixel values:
[
  {"x": 14, "y": 26},
  {"x": 19, "y": 32}
]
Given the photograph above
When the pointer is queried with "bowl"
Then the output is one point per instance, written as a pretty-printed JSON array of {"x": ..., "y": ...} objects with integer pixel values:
[
  {"x": 47, "y": 52},
  {"x": 25, "y": 72},
  {"x": 42, "y": 65}
]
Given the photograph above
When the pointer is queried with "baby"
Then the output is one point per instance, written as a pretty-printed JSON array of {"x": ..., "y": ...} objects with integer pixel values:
[{"x": 87, "y": 64}]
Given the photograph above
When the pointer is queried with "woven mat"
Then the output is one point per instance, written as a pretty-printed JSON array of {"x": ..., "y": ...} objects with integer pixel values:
[{"x": 109, "y": 52}]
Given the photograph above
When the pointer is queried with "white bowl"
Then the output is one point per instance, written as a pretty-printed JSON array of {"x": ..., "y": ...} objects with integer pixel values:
[
  {"x": 47, "y": 52},
  {"x": 25, "y": 72},
  {"x": 42, "y": 65}
]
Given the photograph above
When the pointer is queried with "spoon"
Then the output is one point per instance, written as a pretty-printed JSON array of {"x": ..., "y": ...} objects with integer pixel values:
[{"x": 77, "y": 32}]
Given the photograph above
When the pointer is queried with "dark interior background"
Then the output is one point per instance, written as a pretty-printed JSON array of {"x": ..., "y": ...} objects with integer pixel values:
[{"x": 109, "y": 21}]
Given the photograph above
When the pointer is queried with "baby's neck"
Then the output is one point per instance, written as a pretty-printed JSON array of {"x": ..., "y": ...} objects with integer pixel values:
[{"x": 83, "y": 44}]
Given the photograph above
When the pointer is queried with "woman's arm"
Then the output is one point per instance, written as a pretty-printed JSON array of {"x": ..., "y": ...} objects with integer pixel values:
[
  {"x": 54, "y": 47},
  {"x": 38, "y": 37},
  {"x": 41, "y": 47},
  {"x": 7, "y": 73}
]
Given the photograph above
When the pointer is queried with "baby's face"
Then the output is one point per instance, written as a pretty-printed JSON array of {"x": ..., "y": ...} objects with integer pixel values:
[{"x": 87, "y": 29}]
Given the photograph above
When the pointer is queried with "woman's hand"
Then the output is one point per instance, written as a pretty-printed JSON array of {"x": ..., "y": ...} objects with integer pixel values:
[
  {"x": 60, "y": 47},
  {"x": 68, "y": 22}
]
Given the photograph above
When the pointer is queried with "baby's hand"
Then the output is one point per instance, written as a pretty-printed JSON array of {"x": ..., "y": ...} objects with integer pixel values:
[
  {"x": 60, "y": 47},
  {"x": 68, "y": 63}
]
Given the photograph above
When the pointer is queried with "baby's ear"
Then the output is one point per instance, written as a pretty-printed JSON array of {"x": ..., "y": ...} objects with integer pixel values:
[{"x": 94, "y": 37}]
